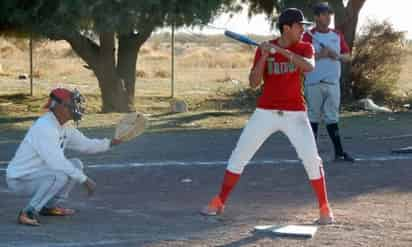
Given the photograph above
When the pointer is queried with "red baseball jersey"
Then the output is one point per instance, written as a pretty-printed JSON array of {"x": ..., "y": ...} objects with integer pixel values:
[{"x": 282, "y": 87}]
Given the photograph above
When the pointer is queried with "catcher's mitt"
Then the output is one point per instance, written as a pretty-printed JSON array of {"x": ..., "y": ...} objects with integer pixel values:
[{"x": 130, "y": 126}]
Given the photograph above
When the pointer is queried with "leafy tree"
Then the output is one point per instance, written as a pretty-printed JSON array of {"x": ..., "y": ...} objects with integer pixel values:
[{"x": 106, "y": 34}]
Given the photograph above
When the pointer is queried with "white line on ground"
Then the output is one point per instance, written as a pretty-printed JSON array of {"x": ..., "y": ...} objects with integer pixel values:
[
  {"x": 389, "y": 137},
  {"x": 75, "y": 244},
  {"x": 224, "y": 162}
]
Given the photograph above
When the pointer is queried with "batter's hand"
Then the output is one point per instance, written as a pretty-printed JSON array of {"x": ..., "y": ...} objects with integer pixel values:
[
  {"x": 90, "y": 186},
  {"x": 267, "y": 49}
]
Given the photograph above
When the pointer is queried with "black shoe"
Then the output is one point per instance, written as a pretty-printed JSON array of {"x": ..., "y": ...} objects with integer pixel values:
[{"x": 344, "y": 157}]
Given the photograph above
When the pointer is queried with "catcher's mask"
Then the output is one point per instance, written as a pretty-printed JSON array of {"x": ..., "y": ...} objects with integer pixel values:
[{"x": 73, "y": 100}]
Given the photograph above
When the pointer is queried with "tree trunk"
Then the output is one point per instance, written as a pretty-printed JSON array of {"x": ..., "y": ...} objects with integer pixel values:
[
  {"x": 116, "y": 82},
  {"x": 126, "y": 65},
  {"x": 101, "y": 60},
  {"x": 114, "y": 95},
  {"x": 347, "y": 23},
  {"x": 129, "y": 46}
]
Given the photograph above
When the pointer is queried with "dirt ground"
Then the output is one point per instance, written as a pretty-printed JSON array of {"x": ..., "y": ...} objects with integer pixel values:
[{"x": 149, "y": 204}]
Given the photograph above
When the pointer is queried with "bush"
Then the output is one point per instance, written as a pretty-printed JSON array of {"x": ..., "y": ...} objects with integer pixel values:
[
  {"x": 161, "y": 73},
  {"x": 141, "y": 74},
  {"x": 377, "y": 60}
]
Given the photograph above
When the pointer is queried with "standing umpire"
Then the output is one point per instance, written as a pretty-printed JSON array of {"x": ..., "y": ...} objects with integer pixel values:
[{"x": 322, "y": 85}]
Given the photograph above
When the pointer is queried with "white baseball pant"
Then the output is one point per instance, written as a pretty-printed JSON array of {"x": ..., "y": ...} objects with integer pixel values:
[
  {"x": 263, "y": 123},
  {"x": 323, "y": 100},
  {"x": 46, "y": 188}
]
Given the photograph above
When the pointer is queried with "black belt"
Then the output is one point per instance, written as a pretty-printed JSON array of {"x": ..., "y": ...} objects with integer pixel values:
[{"x": 327, "y": 82}]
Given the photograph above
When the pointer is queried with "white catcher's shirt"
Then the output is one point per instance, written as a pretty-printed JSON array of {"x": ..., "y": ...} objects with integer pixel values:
[{"x": 43, "y": 149}]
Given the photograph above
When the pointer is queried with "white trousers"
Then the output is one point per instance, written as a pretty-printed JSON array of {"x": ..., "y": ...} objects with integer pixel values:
[
  {"x": 263, "y": 123},
  {"x": 46, "y": 188},
  {"x": 323, "y": 101}
]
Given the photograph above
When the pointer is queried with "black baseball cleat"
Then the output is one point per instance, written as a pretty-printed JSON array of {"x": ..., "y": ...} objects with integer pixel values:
[{"x": 344, "y": 157}]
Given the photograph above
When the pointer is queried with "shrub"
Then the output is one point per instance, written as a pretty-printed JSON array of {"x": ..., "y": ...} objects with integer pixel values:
[
  {"x": 377, "y": 60},
  {"x": 162, "y": 74},
  {"x": 141, "y": 74}
]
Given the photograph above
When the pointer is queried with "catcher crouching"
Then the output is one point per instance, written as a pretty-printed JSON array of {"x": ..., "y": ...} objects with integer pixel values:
[{"x": 40, "y": 170}]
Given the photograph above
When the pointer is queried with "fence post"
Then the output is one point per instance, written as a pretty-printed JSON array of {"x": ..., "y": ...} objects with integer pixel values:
[
  {"x": 31, "y": 63},
  {"x": 173, "y": 61}
]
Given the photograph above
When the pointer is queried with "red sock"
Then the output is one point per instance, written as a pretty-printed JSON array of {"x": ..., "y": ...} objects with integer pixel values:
[
  {"x": 229, "y": 181},
  {"x": 319, "y": 186}
]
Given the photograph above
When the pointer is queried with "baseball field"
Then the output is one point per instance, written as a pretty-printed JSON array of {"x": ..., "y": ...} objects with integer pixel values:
[{"x": 149, "y": 190}]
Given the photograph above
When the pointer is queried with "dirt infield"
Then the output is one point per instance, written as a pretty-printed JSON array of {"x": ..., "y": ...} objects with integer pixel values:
[{"x": 143, "y": 205}]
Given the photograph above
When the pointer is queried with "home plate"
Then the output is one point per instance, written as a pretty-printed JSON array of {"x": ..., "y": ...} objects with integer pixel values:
[{"x": 289, "y": 230}]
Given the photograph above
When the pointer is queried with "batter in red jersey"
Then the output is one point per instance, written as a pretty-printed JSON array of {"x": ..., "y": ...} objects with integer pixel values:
[{"x": 280, "y": 63}]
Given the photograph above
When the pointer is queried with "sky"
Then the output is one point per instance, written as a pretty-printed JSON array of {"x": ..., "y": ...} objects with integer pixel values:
[{"x": 395, "y": 11}]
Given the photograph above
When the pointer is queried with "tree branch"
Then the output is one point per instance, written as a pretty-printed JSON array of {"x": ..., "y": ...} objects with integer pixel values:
[{"x": 86, "y": 48}]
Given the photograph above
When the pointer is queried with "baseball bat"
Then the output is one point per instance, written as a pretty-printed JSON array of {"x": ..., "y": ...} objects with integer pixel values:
[
  {"x": 246, "y": 40},
  {"x": 242, "y": 38}
]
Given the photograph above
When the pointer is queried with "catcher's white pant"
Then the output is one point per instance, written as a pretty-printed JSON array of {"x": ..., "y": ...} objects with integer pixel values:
[
  {"x": 46, "y": 187},
  {"x": 263, "y": 123}
]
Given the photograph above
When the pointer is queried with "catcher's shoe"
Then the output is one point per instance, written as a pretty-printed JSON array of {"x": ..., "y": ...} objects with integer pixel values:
[
  {"x": 214, "y": 207},
  {"x": 57, "y": 211},
  {"x": 28, "y": 218},
  {"x": 344, "y": 157},
  {"x": 325, "y": 216}
]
